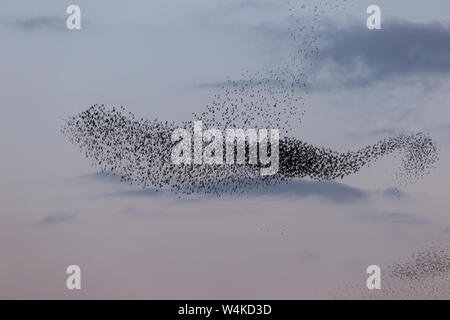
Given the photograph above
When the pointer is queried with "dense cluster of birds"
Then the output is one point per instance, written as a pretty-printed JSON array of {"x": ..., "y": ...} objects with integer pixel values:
[
  {"x": 434, "y": 262},
  {"x": 139, "y": 150},
  {"x": 424, "y": 275}
]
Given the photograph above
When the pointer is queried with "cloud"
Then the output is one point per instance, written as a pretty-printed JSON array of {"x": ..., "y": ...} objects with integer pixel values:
[
  {"x": 352, "y": 56},
  {"x": 394, "y": 218},
  {"x": 296, "y": 188},
  {"x": 101, "y": 176},
  {"x": 41, "y": 23},
  {"x": 393, "y": 193},
  {"x": 57, "y": 218},
  {"x": 147, "y": 192},
  {"x": 133, "y": 210},
  {"x": 401, "y": 49},
  {"x": 37, "y": 23},
  {"x": 327, "y": 190}
]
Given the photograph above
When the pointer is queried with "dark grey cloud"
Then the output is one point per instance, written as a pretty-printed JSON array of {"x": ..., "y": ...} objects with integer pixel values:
[
  {"x": 326, "y": 190},
  {"x": 57, "y": 218},
  {"x": 351, "y": 55},
  {"x": 359, "y": 57}
]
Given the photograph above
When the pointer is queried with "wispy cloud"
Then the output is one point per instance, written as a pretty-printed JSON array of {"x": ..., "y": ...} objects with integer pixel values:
[
  {"x": 107, "y": 177},
  {"x": 327, "y": 190},
  {"x": 133, "y": 210},
  {"x": 296, "y": 188},
  {"x": 399, "y": 218},
  {"x": 49, "y": 23},
  {"x": 57, "y": 218},
  {"x": 38, "y": 23}
]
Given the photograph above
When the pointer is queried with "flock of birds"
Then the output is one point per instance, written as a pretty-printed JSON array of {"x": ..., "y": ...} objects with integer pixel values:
[
  {"x": 431, "y": 262},
  {"x": 139, "y": 150},
  {"x": 424, "y": 275}
]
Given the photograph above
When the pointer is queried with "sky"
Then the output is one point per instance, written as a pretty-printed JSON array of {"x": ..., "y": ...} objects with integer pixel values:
[{"x": 165, "y": 60}]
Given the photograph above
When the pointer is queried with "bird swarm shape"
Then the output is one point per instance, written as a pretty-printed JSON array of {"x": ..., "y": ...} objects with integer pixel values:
[{"x": 139, "y": 150}]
